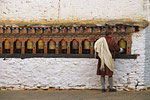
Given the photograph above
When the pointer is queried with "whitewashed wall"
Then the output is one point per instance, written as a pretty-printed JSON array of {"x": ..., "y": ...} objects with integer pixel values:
[
  {"x": 70, "y": 10},
  {"x": 68, "y": 73},
  {"x": 73, "y": 73}
]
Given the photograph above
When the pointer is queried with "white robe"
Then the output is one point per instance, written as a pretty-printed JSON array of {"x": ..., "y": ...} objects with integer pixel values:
[{"x": 101, "y": 47}]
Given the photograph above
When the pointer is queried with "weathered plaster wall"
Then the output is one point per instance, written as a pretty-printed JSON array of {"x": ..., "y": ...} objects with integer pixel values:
[{"x": 70, "y": 10}]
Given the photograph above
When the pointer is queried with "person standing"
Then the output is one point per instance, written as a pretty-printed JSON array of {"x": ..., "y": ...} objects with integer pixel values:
[{"x": 105, "y": 49}]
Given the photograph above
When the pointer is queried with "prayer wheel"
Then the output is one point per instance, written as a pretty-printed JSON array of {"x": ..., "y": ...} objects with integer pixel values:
[
  {"x": 75, "y": 44},
  {"x": 7, "y": 44},
  {"x": 63, "y": 44},
  {"x": 86, "y": 44},
  {"x": 52, "y": 45},
  {"x": 122, "y": 44},
  {"x": 18, "y": 44},
  {"x": 40, "y": 44},
  {"x": 29, "y": 44}
]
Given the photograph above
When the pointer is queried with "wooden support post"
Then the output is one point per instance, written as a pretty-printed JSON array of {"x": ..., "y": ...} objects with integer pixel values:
[
  {"x": 1, "y": 47},
  {"x": 57, "y": 47},
  {"x": 12, "y": 48},
  {"x": 34, "y": 47},
  {"x": 45, "y": 48},
  {"x": 23, "y": 48},
  {"x": 80, "y": 47},
  {"x": 68, "y": 47}
]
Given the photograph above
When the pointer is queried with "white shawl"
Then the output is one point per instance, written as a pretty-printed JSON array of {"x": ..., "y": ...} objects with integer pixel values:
[{"x": 101, "y": 47}]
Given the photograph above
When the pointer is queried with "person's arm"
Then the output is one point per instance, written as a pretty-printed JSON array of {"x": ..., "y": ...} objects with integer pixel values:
[
  {"x": 117, "y": 48},
  {"x": 97, "y": 57}
]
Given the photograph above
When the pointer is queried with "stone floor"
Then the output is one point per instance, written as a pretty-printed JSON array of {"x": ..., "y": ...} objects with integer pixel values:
[{"x": 74, "y": 95}]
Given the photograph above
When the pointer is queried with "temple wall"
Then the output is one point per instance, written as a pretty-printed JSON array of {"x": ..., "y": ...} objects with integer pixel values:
[
  {"x": 70, "y": 10},
  {"x": 74, "y": 73}
]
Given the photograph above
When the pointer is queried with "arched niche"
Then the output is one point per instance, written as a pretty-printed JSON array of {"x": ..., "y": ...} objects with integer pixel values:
[
  {"x": 17, "y": 46},
  {"x": 29, "y": 47},
  {"x": 63, "y": 47},
  {"x": 51, "y": 47},
  {"x": 86, "y": 46},
  {"x": 6, "y": 46},
  {"x": 123, "y": 44},
  {"x": 40, "y": 46},
  {"x": 74, "y": 47}
]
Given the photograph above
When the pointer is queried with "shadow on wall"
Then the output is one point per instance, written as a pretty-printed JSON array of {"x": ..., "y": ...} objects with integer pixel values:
[{"x": 147, "y": 58}]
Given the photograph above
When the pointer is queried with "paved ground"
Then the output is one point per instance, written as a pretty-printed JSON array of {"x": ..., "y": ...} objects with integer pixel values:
[{"x": 73, "y": 95}]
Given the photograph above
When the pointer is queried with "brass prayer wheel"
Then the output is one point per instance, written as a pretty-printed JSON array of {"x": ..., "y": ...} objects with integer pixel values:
[
  {"x": 52, "y": 45},
  {"x": 7, "y": 44},
  {"x": 40, "y": 44},
  {"x": 29, "y": 44},
  {"x": 63, "y": 44},
  {"x": 122, "y": 44},
  {"x": 75, "y": 44},
  {"x": 86, "y": 44},
  {"x": 18, "y": 44}
]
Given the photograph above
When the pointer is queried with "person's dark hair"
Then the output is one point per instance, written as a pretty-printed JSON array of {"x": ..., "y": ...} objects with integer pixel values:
[{"x": 107, "y": 33}]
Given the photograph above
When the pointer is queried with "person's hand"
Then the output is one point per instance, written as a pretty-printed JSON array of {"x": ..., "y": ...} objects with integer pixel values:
[{"x": 121, "y": 50}]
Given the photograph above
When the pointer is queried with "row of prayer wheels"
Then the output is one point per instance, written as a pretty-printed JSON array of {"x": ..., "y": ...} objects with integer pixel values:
[{"x": 51, "y": 44}]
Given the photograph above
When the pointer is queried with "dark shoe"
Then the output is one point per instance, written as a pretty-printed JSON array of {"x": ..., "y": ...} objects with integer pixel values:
[
  {"x": 103, "y": 90},
  {"x": 112, "y": 90}
]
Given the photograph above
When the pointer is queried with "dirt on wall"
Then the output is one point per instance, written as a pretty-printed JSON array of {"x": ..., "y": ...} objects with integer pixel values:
[{"x": 141, "y": 23}]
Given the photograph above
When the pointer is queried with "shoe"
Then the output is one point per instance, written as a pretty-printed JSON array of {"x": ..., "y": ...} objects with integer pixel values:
[
  {"x": 103, "y": 90},
  {"x": 112, "y": 90}
]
